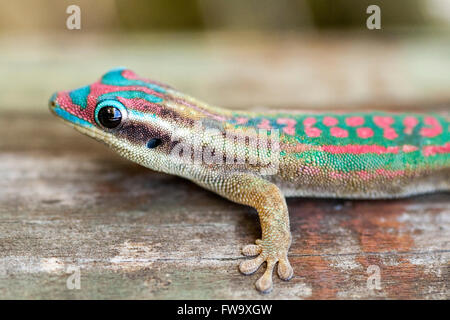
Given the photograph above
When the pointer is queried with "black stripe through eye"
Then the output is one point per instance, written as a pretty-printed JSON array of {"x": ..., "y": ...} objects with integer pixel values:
[{"x": 153, "y": 143}]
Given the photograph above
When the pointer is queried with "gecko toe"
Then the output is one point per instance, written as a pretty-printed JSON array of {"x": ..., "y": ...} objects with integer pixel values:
[
  {"x": 274, "y": 256},
  {"x": 264, "y": 284},
  {"x": 285, "y": 271},
  {"x": 251, "y": 250},
  {"x": 250, "y": 266}
]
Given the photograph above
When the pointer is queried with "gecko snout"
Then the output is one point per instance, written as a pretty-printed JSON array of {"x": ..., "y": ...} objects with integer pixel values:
[{"x": 52, "y": 101}]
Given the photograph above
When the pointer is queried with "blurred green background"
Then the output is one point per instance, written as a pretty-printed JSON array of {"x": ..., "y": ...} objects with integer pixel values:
[
  {"x": 205, "y": 15},
  {"x": 239, "y": 54}
]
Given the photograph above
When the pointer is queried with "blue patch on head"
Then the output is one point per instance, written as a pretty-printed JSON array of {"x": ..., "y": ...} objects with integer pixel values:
[
  {"x": 79, "y": 96},
  {"x": 114, "y": 78},
  {"x": 131, "y": 95},
  {"x": 71, "y": 118},
  {"x": 142, "y": 115}
]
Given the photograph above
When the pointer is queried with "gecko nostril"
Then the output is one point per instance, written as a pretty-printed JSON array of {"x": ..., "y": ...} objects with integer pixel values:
[{"x": 52, "y": 101}]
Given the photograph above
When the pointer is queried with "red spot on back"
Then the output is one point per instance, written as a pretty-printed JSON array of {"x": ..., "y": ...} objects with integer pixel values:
[
  {"x": 290, "y": 125},
  {"x": 264, "y": 124},
  {"x": 309, "y": 129},
  {"x": 330, "y": 121},
  {"x": 313, "y": 132},
  {"x": 308, "y": 122},
  {"x": 354, "y": 121},
  {"x": 241, "y": 120},
  {"x": 383, "y": 122},
  {"x": 339, "y": 132},
  {"x": 389, "y": 133},
  {"x": 364, "y": 132},
  {"x": 435, "y": 130},
  {"x": 410, "y": 123}
]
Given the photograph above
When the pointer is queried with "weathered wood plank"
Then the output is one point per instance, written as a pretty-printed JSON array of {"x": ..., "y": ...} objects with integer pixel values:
[{"x": 68, "y": 201}]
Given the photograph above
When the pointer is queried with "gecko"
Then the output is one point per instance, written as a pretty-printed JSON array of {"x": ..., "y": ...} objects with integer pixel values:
[{"x": 258, "y": 159}]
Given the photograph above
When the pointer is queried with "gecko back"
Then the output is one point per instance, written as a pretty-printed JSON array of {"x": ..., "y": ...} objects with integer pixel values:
[{"x": 358, "y": 155}]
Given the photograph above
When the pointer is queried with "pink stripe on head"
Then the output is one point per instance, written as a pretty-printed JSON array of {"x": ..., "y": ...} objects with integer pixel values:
[
  {"x": 130, "y": 75},
  {"x": 97, "y": 89},
  {"x": 141, "y": 105},
  {"x": 66, "y": 103}
]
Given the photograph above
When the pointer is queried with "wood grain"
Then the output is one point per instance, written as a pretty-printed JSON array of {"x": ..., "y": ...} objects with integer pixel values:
[{"x": 68, "y": 201}]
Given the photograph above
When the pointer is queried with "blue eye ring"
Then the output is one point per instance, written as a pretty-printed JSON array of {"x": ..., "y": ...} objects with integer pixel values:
[{"x": 116, "y": 113}]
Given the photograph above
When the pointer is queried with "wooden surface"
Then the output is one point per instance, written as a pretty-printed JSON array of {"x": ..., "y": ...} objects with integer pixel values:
[{"x": 68, "y": 201}]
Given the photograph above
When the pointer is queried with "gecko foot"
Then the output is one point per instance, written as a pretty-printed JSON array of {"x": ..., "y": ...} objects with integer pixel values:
[{"x": 271, "y": 257}]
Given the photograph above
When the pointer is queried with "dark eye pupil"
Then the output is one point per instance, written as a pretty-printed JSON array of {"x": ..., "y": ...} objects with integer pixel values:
[{"x": 109, "y": 117}]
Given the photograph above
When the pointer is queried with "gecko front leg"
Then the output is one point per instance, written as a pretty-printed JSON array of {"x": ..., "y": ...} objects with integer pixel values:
[{"x": 275, "y": 241}]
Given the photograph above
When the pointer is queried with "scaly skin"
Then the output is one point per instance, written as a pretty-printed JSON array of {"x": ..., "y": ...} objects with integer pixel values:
[{"x": 347, "y": 155}]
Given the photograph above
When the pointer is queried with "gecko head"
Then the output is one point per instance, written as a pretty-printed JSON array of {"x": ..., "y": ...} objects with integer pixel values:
[{"x": 133, "y": 115}]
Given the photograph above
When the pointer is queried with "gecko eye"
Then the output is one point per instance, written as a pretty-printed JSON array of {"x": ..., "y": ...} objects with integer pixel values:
[
  {"x": 110, "y": 114},
  {"x": 109, "y": 117}
]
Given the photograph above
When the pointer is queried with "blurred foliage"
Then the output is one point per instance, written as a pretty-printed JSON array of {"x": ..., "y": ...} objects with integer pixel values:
[
  {"x": 352, "y": 14},
  {"x": 159, "y": 14},
  {"x": 267, "y": 14},
  {"x": 186, "y": 15}
]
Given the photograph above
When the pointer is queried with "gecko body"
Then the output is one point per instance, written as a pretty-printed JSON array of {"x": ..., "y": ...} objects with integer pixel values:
[{"x": 273, "y": 155}]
